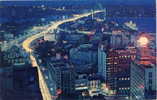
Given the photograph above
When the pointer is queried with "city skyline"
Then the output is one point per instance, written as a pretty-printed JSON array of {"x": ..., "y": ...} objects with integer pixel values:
[{"x": 65, "y": 50}]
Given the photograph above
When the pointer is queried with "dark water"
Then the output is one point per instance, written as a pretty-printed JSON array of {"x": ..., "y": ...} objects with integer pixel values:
[{"x": 145, "y": 24}]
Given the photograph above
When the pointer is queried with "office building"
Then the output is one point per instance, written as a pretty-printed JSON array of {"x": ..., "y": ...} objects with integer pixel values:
[
  {"x": 118, "y": 69},
  {"x": 137, "y": 82},
  {"x": 1, "y": 57},
  {"x": 65, "y": 79},
  {"x": 84, "y": 54},
  {"x": 150, "y": 82},
  {"x": 102, "y": 61},
  {"x": 58, "y": 78},
  {"x": 19, "y": 83},
  {"x": 15, "y": 56}
]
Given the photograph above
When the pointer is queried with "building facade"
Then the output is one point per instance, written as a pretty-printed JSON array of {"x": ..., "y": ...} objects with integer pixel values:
[
  {"x": 102, "y": 61},
  {"x": 84, "y": 54},
  {"x": 137, "y": 82},
  {"x": 119, "y": 70},
  {"x": 14, "y": 56},
  {"x": 150, "y": 82}
]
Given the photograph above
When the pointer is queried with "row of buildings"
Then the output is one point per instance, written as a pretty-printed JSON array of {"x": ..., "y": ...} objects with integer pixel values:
[
  {"x": 125, "y": 75},
  {"x": 19, "y": 83},
  {"x": 104, "y": 61},
  {"x": 18, "y": 79}
]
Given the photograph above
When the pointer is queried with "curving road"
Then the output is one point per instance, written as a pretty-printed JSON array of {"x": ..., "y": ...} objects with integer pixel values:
[{"x": 27, "y": 46}]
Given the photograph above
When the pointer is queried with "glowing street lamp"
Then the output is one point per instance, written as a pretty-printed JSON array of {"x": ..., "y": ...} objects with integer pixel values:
[{"x": 143, "y": 41}]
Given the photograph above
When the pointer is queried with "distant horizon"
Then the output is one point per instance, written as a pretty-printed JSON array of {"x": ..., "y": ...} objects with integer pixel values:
[{"x": 106, "y": 2}]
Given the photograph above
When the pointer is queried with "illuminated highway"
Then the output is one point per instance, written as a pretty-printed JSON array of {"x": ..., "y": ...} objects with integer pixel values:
[
  {"x": 27, "y": 46},
  {"x": 29, "y": 40},
  {"x": 17, "y": 40}
]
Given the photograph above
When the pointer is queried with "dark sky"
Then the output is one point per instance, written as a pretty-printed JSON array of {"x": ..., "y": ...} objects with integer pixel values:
[{"x": 114, "y": 2}]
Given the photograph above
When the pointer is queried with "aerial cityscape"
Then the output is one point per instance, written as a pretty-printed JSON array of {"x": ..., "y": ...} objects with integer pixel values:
[{"x": 78, "y": 50}]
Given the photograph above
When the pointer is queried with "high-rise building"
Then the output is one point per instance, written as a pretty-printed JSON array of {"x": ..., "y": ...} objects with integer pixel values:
[
  {"x": 102, "y": 60},
  {"x": 129, "y": 82},
  {"x": 105, "y": 13},
  {"x": 59, "y": 75},
  {"x": 150, "y": 82},
  {"x": 66, "y": 79},
  {"x": 19, "y": 83},
  {"x": 118, "y": 69},
  {"x": 1, "y": 57},
  {"x": 84, "y": 54},
  {"x": 137, "y": 80}
]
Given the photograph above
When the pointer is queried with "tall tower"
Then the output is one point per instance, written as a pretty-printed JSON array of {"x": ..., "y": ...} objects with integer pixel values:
[
  {"x": 105, "y": 13},
  {"x": 1, "y": 56},
  {"x": 92, "y": 14},
  {"x": 102, "y": 61}
]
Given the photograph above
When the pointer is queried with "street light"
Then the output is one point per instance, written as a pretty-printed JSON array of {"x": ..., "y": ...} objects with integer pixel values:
[{"x": 143, "y": 41}]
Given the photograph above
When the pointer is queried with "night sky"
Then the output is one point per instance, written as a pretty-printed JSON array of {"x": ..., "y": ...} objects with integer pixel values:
[{"x": 108, "y": 2}]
